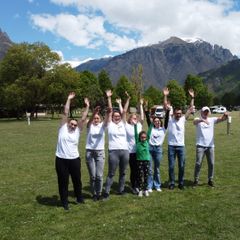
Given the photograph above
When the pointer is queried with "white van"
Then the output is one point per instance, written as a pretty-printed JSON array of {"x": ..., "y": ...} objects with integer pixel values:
[{"x": 159, "y": 112}]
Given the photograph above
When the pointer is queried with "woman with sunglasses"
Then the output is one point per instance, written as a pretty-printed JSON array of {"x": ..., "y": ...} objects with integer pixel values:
[
  {"x": 67, "y": 154},
  {"x": 95, "y": 154}
]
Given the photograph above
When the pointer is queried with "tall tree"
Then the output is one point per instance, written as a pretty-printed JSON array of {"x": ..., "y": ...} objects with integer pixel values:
[
  {"x": 154, "y": 96},
  {"x": 137, "y": 81},
  {"x": 104, "y": 81}
]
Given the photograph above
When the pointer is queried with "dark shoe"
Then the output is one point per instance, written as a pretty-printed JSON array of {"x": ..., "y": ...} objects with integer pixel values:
[
  {"x": 210, "y": 183},
  {"x": 181, "y": 187},
  {"x": 105, "y": 196},
  {"x": 195, "y": 183},
  {"x": 121, "y": 193},
  {"x": 171, "y": 187},
  {"x": 80, "y": 200},
  {"x": 65, "y": 206},
  {"x": 95, "y": 198}
]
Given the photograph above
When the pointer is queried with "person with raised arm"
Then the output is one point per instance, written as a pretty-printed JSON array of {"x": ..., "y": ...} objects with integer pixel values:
[
  {"x": 67, "y": 155},
  {"x": 118, "y": 155},
  {"x": 130, "y": 122},
  {"x": 205, "y": 143},
  {"x": 95, "y": 153},
  {"x": 176, "y": 140}
]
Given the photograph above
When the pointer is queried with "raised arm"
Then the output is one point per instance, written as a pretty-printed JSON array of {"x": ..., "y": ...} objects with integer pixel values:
[
  {"x": 119, "y": 102},
  {"x": 146, "y": 111},
  {"x": 109, "y": 100},
  {"x": 191, "y": 107},
  {"x": 71, "y": 95},
  {"x": 166, "y": 120},
  {"x": 223, "y": 117},
  {"x": 84, "y": 115},
  {"x": 126, "y": 105},
  {"x": 141, "y": 111},
  {"x": 165, "y": 95}
]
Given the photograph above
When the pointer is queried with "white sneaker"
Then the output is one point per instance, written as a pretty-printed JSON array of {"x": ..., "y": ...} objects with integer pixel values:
[
  {"x": 159, "y": 190},
  {"x": 150, "y": 190},
  {"x": 140, "y": 193},
  {"x": 146, "y": 193}
]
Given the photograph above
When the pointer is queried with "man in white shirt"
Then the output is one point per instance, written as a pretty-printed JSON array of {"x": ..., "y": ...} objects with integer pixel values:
[{"x": 205, "y": 142}]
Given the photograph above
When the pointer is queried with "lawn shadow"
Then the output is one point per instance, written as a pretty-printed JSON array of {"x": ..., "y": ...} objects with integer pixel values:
[{"x": 49, "y": 201}]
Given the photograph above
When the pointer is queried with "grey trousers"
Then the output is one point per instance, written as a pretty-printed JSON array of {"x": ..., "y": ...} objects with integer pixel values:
[
  {"x": 95, "y": 163},
  {"x": 200, "y": 152},
  {"x": 117, "y": 158}
]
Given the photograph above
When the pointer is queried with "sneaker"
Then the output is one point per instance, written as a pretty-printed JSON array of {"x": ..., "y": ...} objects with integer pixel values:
[
  {"x": 65, "y": 206},
  {"x": 140, "y": 193},
  {"x": 80, "y": 200},
  {"x": 195, "y": 183},
  {"x": 181, "y": 186},
  {"x": 171, "y": 187},
  {"x": 210, "y": 183},
  {"x": 95, "y": 198},
  {"x": 150, "y": 190},
  {"x": 159, "y": 190},
  {"x": 135, "y": 191},
  {"x": 121, "y": 193},
  {"x": 146, "y": 193},
  {"x": 105, "y": 196}
]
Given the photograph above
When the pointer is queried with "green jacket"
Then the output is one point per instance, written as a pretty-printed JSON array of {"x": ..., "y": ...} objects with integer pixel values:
[{"x": 142, "y": 147}]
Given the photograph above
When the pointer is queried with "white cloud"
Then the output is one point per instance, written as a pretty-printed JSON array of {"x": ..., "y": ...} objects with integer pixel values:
[{"x": 153, "y": 21}]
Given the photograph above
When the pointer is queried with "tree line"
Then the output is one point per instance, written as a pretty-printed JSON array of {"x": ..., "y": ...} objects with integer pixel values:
[{"x": 31, "y": 76}]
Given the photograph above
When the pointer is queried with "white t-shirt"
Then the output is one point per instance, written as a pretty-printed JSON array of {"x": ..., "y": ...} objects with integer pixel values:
[
  {"x": 95, "y": 137},
  {"x": 205, "y": 132},
  {"x": 176, "y": 131},
  {"x": 67, "y": 145},
  {"x": 131, "y": 136},
  {"x": 117, "y": 136},
  {"x": 157, "y": 136}
]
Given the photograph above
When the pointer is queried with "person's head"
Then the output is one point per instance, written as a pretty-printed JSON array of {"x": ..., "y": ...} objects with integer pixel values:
[
  {"x": 72, "y": 124},
  {"x": 177, "y": 113},
  {"x": 205, "y": 112},
  {"x": 157, "y": 122},
  {"x": 133, "y": 118},
  {"x": 116, "y": 116},
  {"x": 96, "y": 119},
  {"x": 142, "y": 136}
]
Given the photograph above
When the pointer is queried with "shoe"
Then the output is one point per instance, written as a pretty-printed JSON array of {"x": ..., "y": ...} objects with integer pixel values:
[
  {"x": 105, "y": 196},
  {"x": 95, "y": 198},
  {"x": 210, "y": 183},
  {"x": 181, "y": 186},
  {"x": 146, "y": 193},
  {"x": 150, "y": 190},
  {"x": 135, "y": 191},
  {"x": 80, "y": 200},
  {"x": 195, "y": 183},
  {"x": 159, "y": 190},
  {"x": 171, "y": 187},
  {"x": 121, "y": 193},
  {"x": 65, "y": 206},
  {"x": 140, "y": 194}
]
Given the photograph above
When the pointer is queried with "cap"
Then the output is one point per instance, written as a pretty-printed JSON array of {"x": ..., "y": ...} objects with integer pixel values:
[{"x": 205, "y": 109}]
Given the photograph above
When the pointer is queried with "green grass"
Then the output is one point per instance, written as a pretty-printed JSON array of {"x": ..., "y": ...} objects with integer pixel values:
[{"x": 29, "y": 203}]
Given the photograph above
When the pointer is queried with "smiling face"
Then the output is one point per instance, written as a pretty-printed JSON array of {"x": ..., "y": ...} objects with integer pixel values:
[
  {"x": 157, "y": 122},
  {"x": 96, "y": 119},
  {"x": 72, "y": 124},
  {"x": 177, "y": 114},
  {"x": 132, "y": 119},
  {"x": 116, "y": 117}
]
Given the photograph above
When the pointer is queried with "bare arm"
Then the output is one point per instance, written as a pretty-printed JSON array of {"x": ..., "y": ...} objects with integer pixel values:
[
  {"x": 125, "y": 109},
  {"x": 84, "y": 115},
  {"x": 109, "y": 99},
  {"x": 199, "y": 120},
  {"x": 165, "y": 94},
  {"x": 119, "y": 102},
  {"x": 141, "y": 111},
  {"x": 67, "y": 108},
  {"x": 191, "y": 107},
  {"x": 223, "y": 117}
]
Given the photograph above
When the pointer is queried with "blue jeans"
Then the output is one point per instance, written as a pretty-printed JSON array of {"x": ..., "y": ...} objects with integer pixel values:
[
  {"x": 156, "y": 153},
  {"x": 173, "y": 152}
]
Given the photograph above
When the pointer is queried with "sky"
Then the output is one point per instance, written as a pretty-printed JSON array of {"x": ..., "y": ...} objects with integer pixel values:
[{"x": 80, "y": 30}]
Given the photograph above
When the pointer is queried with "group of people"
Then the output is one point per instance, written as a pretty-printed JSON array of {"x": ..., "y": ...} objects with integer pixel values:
[{"x": 129, "y": 144}]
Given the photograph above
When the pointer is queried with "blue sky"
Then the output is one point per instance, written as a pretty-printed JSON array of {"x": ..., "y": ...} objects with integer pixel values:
[{"x": 87, "y": 29}]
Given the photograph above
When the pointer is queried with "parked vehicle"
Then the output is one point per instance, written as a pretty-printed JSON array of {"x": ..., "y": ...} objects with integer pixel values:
[
  {"x": 219, "y": 110},
  {"x": 159, "y": 112}
]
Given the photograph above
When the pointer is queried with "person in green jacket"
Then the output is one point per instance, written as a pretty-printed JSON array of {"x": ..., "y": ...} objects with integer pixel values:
[{"x": 143, "y": 161}]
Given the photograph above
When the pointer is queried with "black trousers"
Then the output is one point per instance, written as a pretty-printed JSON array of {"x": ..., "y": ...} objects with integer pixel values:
[
  {"x": 64, "y": 168},
  {"x": 142, "y": 174},
  {"x": 133, "y": 170}
]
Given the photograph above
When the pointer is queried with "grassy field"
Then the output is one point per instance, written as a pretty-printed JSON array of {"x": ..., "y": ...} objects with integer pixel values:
[{"x": 29, "y": 203}]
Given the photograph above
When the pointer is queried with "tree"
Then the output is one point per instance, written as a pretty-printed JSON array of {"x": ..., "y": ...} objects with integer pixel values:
[
  {"x": 137, "y": 81},
  {"x": 154, "y": 96},
  {"x": 202, "y": 96},
  {"x": 24, "y": 67},
  {"x": 177, "y": 95},
  {"x": 104, "y": 81},
  {"x": 123, "y": 85}
]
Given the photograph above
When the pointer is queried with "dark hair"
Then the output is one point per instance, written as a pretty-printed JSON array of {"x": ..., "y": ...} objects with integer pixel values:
[
  {"x": 160, "y": 119},
  {"x": 140, "y": 134},
  {"x": 72, "y": 119}
]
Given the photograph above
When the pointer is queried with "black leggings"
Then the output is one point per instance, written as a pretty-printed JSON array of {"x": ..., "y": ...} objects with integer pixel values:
[
  {"x": 142, "y": 174},
  {"x": 64, "y": 168}
]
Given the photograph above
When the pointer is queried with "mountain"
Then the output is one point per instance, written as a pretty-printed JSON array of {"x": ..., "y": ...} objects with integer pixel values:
[
  {"x": 171, "y": 59},
  {"x": 5, "y": 44},
  {"x": 224, "y": 79}
]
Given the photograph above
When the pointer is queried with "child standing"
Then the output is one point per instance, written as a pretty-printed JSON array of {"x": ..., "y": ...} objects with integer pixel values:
[{"x": 143, "y": 161}]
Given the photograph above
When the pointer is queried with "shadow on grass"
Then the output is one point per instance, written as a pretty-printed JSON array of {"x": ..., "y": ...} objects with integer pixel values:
[
  {"x": 49, "y": 201},
  {"x": 187, "y": 184}
]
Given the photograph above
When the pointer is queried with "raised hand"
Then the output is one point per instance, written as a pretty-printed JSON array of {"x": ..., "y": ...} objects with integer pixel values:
[
  {"x": 126, "y": 93},
  {"x": 118, "y": 100},
  {"x": 141, "y": 101},
  {"x": 165, "y": 91},
  {"x": 71, "y": 95},
  {"x": 86, "y": 101},
  {"x": 109, "y": 93},
  {"x": 191, "y": 92}
]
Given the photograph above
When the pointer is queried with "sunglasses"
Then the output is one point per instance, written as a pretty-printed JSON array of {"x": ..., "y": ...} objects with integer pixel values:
[{"x": 73, "y": 124}]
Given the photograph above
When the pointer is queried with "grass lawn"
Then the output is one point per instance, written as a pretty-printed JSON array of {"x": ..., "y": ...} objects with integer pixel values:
[{"x": 29, "y": 202}]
